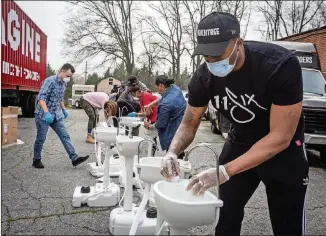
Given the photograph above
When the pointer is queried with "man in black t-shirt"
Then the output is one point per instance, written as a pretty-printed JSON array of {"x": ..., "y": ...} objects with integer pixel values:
[{"x": 258, "y": 87}]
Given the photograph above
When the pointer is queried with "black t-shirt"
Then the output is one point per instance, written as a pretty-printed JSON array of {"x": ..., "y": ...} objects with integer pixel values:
[{"x": 270, "y": 75}]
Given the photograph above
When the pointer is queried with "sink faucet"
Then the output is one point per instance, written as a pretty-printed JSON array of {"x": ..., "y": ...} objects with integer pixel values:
[
  {"x": 114, "y": 117},
  {"x": 186, "y": 158},
  {"x": 124, "y": 107},
  {"x": 145, "y": 140}
]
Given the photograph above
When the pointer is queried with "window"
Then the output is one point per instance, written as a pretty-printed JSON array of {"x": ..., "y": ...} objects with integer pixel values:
[
  {"x": 79, "y": 92},
  {"x": 110, "y": 81},
  {"x": 313, "y": 82}
]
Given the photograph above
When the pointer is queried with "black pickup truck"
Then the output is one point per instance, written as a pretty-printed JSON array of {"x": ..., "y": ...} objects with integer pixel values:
[{"x": 314, "y": 102}]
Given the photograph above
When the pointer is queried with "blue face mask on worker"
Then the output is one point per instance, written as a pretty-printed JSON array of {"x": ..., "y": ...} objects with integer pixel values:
[{"x": 222, "y": 68}]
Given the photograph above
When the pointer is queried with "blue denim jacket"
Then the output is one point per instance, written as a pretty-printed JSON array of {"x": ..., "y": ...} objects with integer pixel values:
[
  {"x": 170, "y": 112},
  {"x": 52, "y": 92}
]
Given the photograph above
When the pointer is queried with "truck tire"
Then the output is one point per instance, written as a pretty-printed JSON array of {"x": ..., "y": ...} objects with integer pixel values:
[
  {"x": 32, "y": 104},
  {"x": 28, "y": 105},
  {"x": 25, "y": 106}
]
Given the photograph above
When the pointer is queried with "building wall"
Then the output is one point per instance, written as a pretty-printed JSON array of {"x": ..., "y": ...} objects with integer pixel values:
[
  {"x": 318, "y": 37},
  {"x": 106, "y": 85}
]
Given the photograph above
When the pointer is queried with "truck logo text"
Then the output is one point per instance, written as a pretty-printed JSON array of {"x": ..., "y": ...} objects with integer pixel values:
[
  {"x": 303, "y": 59},
  {"x": 18, "y": 34}
]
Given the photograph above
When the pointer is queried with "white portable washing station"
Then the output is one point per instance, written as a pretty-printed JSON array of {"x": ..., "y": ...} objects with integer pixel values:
[
  {"x": 116, "y": 168},
  {"x": 176, "y": 205},
  {"x": 105, "y": 194},
  {"x": 102, "y": 194},
  {"x": 97, "y": 168},
  {"x": 130, "y": 219}
]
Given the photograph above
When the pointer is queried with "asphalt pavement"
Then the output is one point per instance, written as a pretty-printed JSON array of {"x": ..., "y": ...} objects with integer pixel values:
[{"x": 39, "y": 201}]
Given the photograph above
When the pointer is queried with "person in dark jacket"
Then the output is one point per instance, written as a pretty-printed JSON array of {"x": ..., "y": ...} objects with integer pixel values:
[{"x": 171, "y": 108}]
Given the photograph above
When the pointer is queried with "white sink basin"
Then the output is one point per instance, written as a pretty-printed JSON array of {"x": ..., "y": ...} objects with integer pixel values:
[
  {"x": 149, "y": 169},
  {"x": 183, "y": 210},
  {"x": 126, "y": 146},
  {"x": 105, "y": 134},
  {"x": 131, "y": 121}
]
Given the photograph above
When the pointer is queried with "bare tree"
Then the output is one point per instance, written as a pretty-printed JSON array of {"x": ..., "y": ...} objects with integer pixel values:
[
  {"x": 169, "y": 40},
  {"x": 101, "y": 28},
  {"x": 297, "y": 15},
  {"x": 285, "y": 18},
  {"x": 320, "y": 19},
  {"x": 272, "y": 11},
  {"x": 196, "y": 10},
  {"x": 238, "y": 8},
  {"x": 150, "y": 54}
]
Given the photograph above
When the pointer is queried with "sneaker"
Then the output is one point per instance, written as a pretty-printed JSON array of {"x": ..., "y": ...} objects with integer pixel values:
[
  {"x": 79, "y": 160},
  {"x": 38, "y": 164}
]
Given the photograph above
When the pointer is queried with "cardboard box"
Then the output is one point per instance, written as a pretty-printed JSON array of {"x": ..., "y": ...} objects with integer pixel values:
[{"x": 9, "y": 125}]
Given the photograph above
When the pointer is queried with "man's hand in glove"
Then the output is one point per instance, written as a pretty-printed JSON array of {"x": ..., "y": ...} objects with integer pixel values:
[
  {"x": 207, "y": 179},
  {"x": 170, "y": 166}
]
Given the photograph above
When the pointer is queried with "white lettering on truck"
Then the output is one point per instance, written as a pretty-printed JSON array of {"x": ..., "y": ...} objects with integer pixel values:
[
  {"x": 15, "y": 70},
  {"x": 303, "y": 59},
  {"x": 20, "y": 34}
]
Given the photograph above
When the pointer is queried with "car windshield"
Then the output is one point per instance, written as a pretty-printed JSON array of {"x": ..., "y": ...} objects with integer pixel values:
[{"x": 313, "y": 82}]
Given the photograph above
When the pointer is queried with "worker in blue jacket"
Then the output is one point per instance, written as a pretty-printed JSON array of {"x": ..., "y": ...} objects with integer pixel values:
[{"x": 171, "y": 108}]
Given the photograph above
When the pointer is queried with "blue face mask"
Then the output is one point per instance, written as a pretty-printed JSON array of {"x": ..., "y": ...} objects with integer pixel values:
[{"x": 222, "y": 68}]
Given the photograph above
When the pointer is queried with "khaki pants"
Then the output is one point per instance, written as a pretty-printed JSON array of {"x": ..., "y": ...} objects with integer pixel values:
[{"x": 93, "y": 117}]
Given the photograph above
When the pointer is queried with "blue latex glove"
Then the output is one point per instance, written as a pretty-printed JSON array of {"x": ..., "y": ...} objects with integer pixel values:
[
  {"x": 48, "y": 118},
  {"x": 65, "y": 113},
  {"x": 132, "y": 114}
]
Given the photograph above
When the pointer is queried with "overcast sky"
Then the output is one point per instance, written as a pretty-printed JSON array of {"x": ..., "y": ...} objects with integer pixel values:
[{"x": 49, "y": 16}]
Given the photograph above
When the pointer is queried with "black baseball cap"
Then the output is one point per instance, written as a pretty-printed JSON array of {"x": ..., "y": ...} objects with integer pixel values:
[{"x": 215, "y": 32}]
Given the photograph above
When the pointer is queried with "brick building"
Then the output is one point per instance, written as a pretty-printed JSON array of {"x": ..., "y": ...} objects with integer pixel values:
[{"x": 316, "y": 36}]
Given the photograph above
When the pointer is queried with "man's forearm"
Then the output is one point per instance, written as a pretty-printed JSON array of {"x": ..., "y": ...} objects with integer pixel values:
[
  {"x": 43, "y": 105},
  {"x": 263, "y": 150},
  {"x": 187, "y": 130},
  {"x": 182, "y": 139}
]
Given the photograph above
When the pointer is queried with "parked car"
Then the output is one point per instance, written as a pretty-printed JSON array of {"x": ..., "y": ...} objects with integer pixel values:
[{"x": 314, "y": 91}]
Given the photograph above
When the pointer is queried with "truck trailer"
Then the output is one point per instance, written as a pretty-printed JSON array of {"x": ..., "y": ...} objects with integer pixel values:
[{"x": 23, "y": 58}]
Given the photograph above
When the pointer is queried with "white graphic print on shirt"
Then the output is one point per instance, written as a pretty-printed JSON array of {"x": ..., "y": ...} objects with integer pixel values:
[{"x": 237, "y": 104}]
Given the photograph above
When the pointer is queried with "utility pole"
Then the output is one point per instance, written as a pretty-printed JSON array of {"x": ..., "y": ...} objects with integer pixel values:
[{"x": 86, "y": 73}]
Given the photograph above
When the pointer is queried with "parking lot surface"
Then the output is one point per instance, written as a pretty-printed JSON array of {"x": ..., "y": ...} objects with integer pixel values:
[{"x": 39, "y": 201}]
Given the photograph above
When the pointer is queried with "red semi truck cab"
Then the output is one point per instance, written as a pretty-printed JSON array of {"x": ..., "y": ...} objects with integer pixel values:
[{"x": 23, "y": 58}]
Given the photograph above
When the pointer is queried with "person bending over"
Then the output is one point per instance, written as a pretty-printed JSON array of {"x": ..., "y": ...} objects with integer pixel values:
[
  {"x": 132, "y": 81},
  {"x": 171, "y": 108},
  {"x": 258, "y": 87},
  {"x": 92, "y": 102},
  {"x": 50, "y": 112},
  {"x": 145, "y": 98}
]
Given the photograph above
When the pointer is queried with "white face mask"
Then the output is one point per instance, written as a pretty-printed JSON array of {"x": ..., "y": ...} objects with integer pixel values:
[
  {"x": 135, "y": 98},
  {"x": 66, "y": 79}
]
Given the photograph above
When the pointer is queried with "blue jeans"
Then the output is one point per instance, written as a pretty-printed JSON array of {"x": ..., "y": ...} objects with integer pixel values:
[{"x": 61, "y": 131}]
